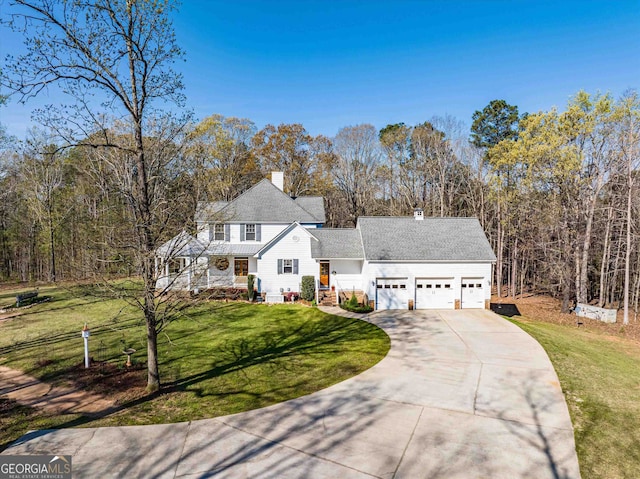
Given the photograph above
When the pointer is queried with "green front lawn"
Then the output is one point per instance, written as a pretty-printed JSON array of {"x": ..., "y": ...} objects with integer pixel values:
[
  {"x": 218, "y": 358},
  {"x": 600, "y": 377}
]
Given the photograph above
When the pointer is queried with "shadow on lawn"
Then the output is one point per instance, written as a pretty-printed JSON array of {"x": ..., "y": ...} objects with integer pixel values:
[
  {"x": 48, "y": 340},
  {"x": 279, "y": 349}
]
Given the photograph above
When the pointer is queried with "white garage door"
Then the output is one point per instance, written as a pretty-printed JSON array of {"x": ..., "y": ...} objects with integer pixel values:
[
  {"x": 472, "y": 293},
  {"x": 391, "y": 293},
  {"x": 435, "y": 293}
]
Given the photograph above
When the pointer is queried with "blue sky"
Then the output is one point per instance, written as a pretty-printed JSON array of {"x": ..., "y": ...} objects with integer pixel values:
[{"x": 329, "y": 64}]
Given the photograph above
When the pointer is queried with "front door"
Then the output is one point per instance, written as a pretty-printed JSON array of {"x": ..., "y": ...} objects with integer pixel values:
[
  {"x": 324, "y": 275},
  {"x": 240, "y": 271}
]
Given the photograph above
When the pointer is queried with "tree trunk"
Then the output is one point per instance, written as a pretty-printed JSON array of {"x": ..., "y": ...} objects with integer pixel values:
[
  {"x": 636, "y": 293},
  {"x": 514, "y": 269},
  {"x": 143, "y": 211},
  {"x": 613, "y": 285},
  {"x": 606, "y": 253},
  {"x": 627, "y": 262},
  {"x": 499, "y": 258},
  {"x": 52, "y": 273},
  {"x": 583, "y": 278}
]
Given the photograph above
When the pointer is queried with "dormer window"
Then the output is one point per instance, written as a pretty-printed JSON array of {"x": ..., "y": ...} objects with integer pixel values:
[
  {"x": 218, "y": 232},
  {"x": 250, "y": 232}
]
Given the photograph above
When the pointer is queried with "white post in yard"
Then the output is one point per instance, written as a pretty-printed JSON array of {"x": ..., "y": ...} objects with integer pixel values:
[{"x": 85, "y": 336}]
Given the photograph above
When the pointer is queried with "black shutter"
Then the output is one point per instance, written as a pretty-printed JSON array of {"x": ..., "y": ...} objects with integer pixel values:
[
  {"x": 258, "y": 232},
  {"x": 295, "y": 266},
  {"x": 227, "y": 232},
  {"x": 243, "y": 232},
  {"x": 279, "y": 266}
]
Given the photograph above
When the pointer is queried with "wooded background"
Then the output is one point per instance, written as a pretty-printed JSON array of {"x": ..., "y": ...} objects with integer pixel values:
[{"x": 556, "y": 191}]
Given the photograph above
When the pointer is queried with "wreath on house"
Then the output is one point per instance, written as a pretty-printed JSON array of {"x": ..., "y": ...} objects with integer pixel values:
[{"x": 221, "y": 263}]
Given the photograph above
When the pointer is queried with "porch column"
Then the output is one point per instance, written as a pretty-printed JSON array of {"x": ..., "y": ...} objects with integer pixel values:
[{"x": 189, "y": 273}]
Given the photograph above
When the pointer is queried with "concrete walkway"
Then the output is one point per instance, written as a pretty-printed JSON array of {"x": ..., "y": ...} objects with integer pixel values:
[{"x": 461, "y": 394}]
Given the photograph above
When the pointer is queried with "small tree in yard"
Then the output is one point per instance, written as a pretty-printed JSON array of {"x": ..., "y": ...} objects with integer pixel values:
[
  {"x": 353, "y": 301},
  {"x": 308, "y": 288},
  {"x": 115, "y": 55}
]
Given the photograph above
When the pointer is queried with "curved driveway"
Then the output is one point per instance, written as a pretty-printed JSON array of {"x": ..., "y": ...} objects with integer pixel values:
[{"x": 461, "y": 394}]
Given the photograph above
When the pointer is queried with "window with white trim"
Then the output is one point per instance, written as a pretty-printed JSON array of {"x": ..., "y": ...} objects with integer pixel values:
[
  {"x": 218, "y": 232},
  {"x": 288, "y": 266},
  {"x": 250, "y": 232}
]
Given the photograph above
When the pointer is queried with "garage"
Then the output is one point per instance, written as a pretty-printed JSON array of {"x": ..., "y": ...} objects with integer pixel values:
[
  {"x": 435, "y": 293},
  {"x": 391, "y": 293},
  {"x": 472, "y": 293}
]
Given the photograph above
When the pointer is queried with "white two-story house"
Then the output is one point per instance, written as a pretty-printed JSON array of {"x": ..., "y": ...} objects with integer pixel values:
[{"x": 396, "y": 262}]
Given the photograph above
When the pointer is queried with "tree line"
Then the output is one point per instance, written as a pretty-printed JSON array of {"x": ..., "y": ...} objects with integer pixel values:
[{"x": 555, "y": 191}]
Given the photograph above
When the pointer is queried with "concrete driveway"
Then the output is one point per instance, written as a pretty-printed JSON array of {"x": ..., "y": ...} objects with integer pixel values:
[{"x": 461, "y": 394}]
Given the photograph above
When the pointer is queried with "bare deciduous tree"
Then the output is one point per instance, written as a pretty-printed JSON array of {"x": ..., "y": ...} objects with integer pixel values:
[{"x": 113, "y": 55}]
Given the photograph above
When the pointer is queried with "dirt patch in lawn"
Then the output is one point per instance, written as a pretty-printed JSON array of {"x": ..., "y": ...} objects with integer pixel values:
[
  {"x": 547, "y": 309},
  {"x": 109, "y": 380}
]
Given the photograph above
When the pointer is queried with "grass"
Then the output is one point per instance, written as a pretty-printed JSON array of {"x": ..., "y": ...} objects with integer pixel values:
[
  {"x": 219, "y": 358},
  {"x": 600, "y": 377}
]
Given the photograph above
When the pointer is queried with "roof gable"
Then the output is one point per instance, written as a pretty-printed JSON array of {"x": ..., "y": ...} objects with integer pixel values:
[
  {"x": 265, "y": 203},
  {"x": 281, "y": 235},
  {"x": 432, "y": 239}
]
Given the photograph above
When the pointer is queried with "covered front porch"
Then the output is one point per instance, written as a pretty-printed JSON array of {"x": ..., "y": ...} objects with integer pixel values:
[{"x": 338, "y": 279}]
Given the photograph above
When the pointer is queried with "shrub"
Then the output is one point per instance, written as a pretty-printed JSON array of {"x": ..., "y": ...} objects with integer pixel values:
[
  {"x": 226, "y": 293},
  {"x": 291, "y": 296},
  {"x": 250, "y": 285},
  {"x": 308, "y": 288},
  {"x": 365, "y": 308}
]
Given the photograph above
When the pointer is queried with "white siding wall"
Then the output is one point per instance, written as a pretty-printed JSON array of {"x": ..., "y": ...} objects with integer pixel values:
[
  {"x": 202, "y": 232},
  {"x": 219, "y": 278},
  {"x": 287, "y": 248},
  {"x": 348, "y": 274},
  {"x": 427, "y": 270},
  {"x": 267, "y": 233}
]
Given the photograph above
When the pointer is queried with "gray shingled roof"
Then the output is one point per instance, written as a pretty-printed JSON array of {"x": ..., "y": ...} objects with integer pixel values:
[
  {"x": 432, "y": 239},
  {"x": 265, "y": 203},
  {"x": 183, "y": 244},
  {"x": 208, "y": 210},
  {"x": 340, "y": 243},
  {"x": 314, "y": 205}
]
